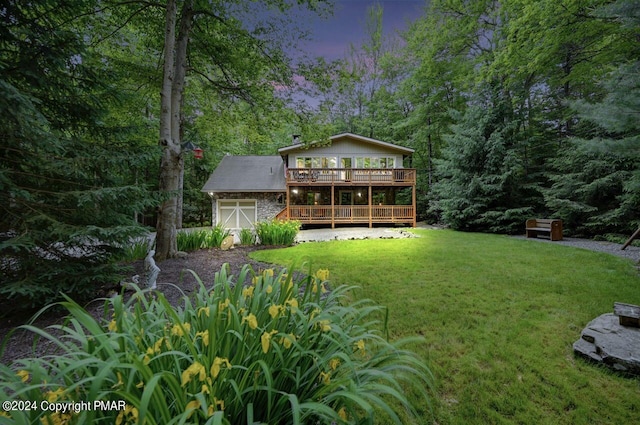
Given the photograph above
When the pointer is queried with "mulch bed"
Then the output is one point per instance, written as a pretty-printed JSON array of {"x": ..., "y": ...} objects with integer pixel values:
[{"x": 174, "y": 281}]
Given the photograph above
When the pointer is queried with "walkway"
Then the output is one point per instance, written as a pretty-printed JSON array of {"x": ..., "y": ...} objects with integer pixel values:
[
  {"x": 632, "y": 252},
  {"x": 352, "y": 233}
]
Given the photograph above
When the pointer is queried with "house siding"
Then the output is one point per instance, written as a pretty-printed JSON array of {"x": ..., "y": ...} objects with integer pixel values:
[
  {"x": 345, "y": 148},
  {"x": 267, "y": 205}
]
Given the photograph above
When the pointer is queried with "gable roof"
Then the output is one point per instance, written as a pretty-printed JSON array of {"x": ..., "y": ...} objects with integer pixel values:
[
  {"x": 247, "y": 174},
  {"x": 337, "y": 137}
]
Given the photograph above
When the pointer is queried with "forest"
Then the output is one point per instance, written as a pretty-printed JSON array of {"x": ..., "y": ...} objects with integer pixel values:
[{"x": 515, "y": 109}]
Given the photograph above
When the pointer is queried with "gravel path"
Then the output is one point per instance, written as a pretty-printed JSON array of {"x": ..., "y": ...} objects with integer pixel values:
[{"x": 631, "y": 252}]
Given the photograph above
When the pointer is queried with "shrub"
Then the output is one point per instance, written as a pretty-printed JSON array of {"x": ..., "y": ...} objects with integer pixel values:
[
  {"x": 247, "y": 237},
  {"x": 34, "y": 273},
  {"x": 277, "y": 232},
  {"x": 202, "y": 239},
  {"x": 274, "y": 351}
]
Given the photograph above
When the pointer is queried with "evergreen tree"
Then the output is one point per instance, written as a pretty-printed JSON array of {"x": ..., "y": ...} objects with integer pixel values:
[
  {"x": 594, "y": 191},
  {"x": 482, "y": 185},
  {"x": 65, "y": 204},
  {"x": 596, "y": 184}
]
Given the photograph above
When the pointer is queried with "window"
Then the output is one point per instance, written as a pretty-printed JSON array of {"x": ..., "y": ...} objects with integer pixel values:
[
  {"x": 329, "y": 162},
  {"x": 316, "y": 162},
  {"x": 375, "y": 162}
]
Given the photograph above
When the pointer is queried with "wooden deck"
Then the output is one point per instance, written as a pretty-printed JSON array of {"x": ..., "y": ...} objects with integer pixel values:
[
  {"x": 350, "y": 214},
  {"x": 351, "y": 176},
  {"x": 353, "y": 214}
]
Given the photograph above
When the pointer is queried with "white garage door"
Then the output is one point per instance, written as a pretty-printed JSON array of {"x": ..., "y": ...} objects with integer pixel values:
[{"x": 237, "y": 214}]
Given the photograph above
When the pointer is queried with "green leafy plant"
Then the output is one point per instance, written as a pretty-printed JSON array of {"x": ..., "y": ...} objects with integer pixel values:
[
  {"x": 269, "y": 351},
  {"x": 277, "y": 232},
  {"x": 202, "y": 239},
  {"x": 191, "y": 240},
  {"x": 215, "y": 236},
  {"x": 247, "y": 237},
  {"x": 135, "y": 251}
]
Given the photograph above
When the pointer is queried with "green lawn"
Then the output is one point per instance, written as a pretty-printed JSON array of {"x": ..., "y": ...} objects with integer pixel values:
[{"x": 499, "y": 316}]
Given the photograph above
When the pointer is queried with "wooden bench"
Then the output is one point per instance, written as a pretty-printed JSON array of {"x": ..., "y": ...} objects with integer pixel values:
[{"x": 553, "y": 227}]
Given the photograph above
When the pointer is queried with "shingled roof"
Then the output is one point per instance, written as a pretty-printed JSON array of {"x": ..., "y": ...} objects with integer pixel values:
[{"x": 247, "y": 174}]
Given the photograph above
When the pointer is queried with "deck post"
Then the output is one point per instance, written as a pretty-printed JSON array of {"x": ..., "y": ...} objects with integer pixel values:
[
  {"x": 288, "y": 194},
  {"x": 413, "y": 203},
  {"x": 333, "y": 210},
  {"x": 370, "y": 205}
]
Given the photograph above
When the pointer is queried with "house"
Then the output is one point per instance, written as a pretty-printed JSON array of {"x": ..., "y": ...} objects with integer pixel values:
[{"x": 352, "y": 180}]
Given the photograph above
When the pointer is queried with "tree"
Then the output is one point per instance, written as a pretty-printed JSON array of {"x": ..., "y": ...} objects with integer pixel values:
[
  {"x": 594, "y": 191},
  {"x": 444, "y": 51},
  {"x": 67, "y": 204},
  {"x": 482, "y": 185},
  {"x": 558, "y": 50},
  {"x": 539, "y": 56},
  {"x": 596, "y": 184},
  {"x": 354, "y": 89},
  {"x": 238, "y": 63}
]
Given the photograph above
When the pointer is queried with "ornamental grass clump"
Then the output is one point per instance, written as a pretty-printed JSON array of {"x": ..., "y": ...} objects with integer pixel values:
[
  {"x": 194, "y": 240},
  {"x": 277, "y": 232},
  {"x": 272, "y": 351},
  {"x": 136, "y": 250},
  {"x": 247, "y": 237}
]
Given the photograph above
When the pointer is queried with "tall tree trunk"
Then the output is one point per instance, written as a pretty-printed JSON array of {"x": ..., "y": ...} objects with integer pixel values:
[
  {"x": 180, "y": 199},
  {"x": 166, "y": 229},
  {"x": 171, "y": 165}
]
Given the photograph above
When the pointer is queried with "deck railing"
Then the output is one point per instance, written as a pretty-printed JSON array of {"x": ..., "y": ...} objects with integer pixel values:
[
  {"x": 352, "y": 213},
  {"x": 367, "y": 176}
]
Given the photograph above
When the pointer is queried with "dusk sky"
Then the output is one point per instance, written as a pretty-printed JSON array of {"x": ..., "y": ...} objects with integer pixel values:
[{"x": 332, "y": 36}]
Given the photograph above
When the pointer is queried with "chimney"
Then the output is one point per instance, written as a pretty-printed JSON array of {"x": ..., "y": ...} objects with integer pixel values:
[{"x": 295, "y": 139}]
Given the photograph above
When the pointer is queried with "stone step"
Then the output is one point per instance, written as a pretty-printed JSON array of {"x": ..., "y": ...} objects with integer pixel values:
[{"x": 605, "y": 340}]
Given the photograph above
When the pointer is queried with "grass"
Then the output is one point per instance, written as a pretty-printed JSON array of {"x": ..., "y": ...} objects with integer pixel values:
[{"x": 499, "y": 316}]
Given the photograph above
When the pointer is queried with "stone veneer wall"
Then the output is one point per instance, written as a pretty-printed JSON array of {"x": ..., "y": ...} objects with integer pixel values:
[{"x": 266, "y": 203}]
